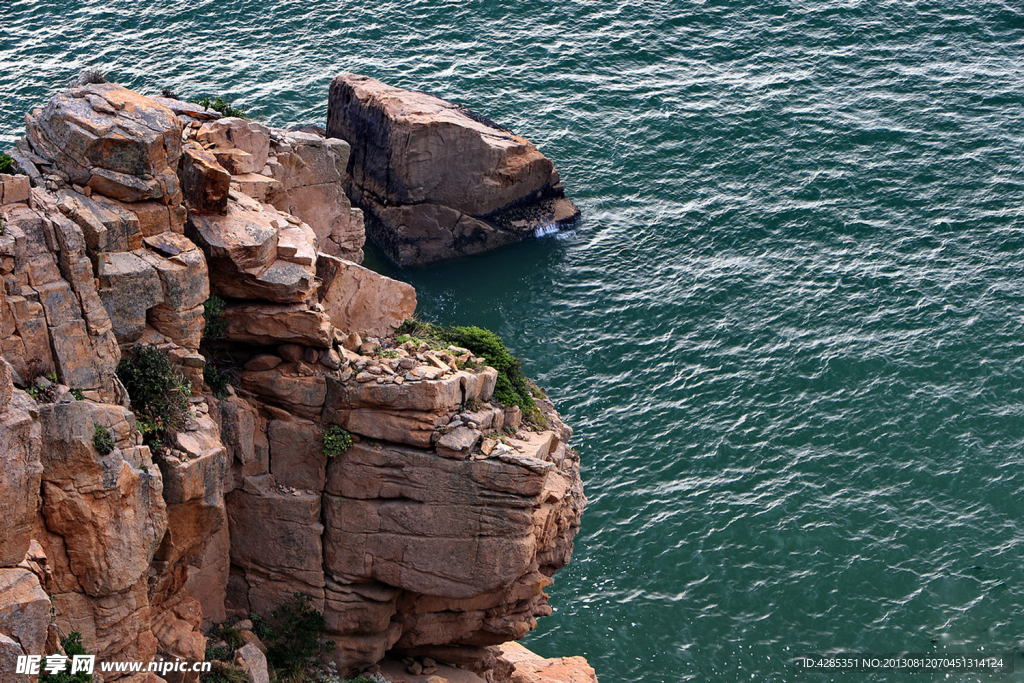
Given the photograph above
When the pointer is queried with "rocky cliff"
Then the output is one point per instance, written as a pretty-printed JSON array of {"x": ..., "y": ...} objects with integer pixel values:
[{"x": 148, "y": 231}]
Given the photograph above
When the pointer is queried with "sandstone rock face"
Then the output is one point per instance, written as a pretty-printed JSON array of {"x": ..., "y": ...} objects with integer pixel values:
[
  {"x": 310, "y": 171},
  {"x": 532, "y": 668},
  {"x": 51, "y": 316},
  {"x": 269, "y": 324},
  {"x": 257, "y": 253},
  {"x": 433, "y": 536},
  {"x": 14, "y": 189},
  {"x": 22, "y": 470},
  {"x": 253, "y": 662},
  {"x": 437, "y": 180},
  {"x": 359, "y": 300},
  {"x": 24, "y": 609},
  {"x": 204, "y": 182},
  {"x": 110, "y": 139}
]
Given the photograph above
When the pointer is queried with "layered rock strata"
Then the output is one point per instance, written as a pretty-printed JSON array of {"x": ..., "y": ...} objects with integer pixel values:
[
  {"x": 433, "y": 537},
  {"x": 436, "y": 180}
]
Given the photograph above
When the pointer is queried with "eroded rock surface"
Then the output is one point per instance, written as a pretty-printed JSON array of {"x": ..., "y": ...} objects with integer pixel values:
[
  {"x": 437, "y": 180},
  {"x": 432, "y": 537}
]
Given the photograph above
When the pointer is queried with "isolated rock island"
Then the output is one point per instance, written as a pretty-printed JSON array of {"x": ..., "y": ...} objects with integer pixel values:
[
  {"x": 211, "y": 413},
  {"x": 435, "y": 179}
]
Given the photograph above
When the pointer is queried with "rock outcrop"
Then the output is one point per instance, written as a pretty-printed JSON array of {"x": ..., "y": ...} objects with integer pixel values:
[
  {"x": 437, "y": 180},
  {"x": 432, "y": 537}
]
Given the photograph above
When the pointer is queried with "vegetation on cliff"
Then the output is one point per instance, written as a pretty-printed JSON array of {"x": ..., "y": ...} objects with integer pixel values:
[
  {"x": 220, "y": 105},
  {"x": 72, "y": 645},
  {"x": 513, "y": 387},
  {"x": 8, "y": 165},
  {"x": 336, "y": 441},
  {"x": 158, "y": 393}
]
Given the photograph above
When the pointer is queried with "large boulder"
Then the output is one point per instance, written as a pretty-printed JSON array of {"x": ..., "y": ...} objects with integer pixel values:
[
  {"x": 255, "y": 252},
  {"x": 359, "y": 300},
  {"x": 438, "y": 180},
  {"x": 204, "y": 182},
  {"x": 110, "y": 139}
]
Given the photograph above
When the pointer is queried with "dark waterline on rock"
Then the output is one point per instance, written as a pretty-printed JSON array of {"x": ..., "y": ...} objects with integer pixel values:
[{"x": 789, "y": 331}]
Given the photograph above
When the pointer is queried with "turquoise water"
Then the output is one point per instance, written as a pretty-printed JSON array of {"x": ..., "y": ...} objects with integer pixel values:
[{"x": 789, "y": 331}]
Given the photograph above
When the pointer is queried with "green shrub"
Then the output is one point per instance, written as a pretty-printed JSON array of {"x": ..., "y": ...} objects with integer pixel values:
[
  {"x": 216, "y": 380},
  {"x": 231, "y": 635},
  {"x": 219, "y": 104},
  {"x": 213, "y": 315},
  {"x": 295, "y": 644},
  {"x": 8, "y": 166},
  {"x": 336, "y": 441},
  {"x": 72, "y": 645},
  {"x": 78, "y": 394},
  {"x": 43, "y": 393},
  {"x": 159, "y": 395},
  {"x": 217, "y": 653},
  {"x": 512, "y": 387},
  {"x": 260, "y": 626},
  {"x": 102, "y": 440}
]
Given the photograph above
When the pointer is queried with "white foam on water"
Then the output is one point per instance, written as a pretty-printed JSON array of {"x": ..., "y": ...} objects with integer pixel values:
[{"x": 545, "y": 229}]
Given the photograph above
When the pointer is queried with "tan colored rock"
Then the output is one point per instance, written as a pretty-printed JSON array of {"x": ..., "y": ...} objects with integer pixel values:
[
  {"x": 111, "y": 139},
  {"x": 208, "y": 576},
  {"x": 181, "y": 266},
  {"x": 129, "y": 286},
  {"x": 156, "y": 218},
  {"x": 302, "y": 395},
  {"x": 296, "y": 454},
  {"x": 53, "y": 319},
  {"x": 234, "y": 133},
  {"x": 276, "y": 540},
  {"x": 113, "y": 627},
  {"x": 236, "y": 161},
  {"x": 184, "y": 328},
  {"x": 176, "y": 629},
  {"x": 396, "y": 673},
  {"x": 15, "y": 189},
  {"x": 414, "y": 155},
  {"x": 106, "y": 225},
  {"x": 310, "y": 172},
  {"x": 184, "y": 108},
  {"x": 458, "y": 443},
  {"x": 10, "y": 651},
  {"x": 439, "y": 397},
  {"x": 253, "y": 662},
  {"x": 108, "y": 509},
  {"x": 425, "y": 539},
  {"x": 255, "y": 185},
  {"x": 532, "y": 668},
  {"x": 268, "y": 324},
  {"x": 24, "y": 609},
  {"x": 362, "y": 301},
  {"x": 22, "y": 473},
  {"x": 204, "y": 182},
  {"x": 242, "y": 252},
  {"x": 244, "y": 435}
]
